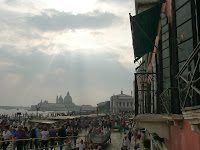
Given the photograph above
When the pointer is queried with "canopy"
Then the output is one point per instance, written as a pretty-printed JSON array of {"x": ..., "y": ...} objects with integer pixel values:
[{"x": 144, "y": 27}]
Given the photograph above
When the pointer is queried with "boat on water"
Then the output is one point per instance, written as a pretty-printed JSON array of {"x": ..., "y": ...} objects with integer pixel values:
[
  {"x": 100, "y": 138},
  {"x": 47, "y": 123}
]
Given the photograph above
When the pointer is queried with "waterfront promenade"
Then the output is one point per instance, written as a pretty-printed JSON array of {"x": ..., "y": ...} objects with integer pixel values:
[{"x": 115, "y": 144}]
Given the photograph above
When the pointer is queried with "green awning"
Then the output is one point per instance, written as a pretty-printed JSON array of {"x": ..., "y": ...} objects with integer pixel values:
[{"x": 144, "y": 27}]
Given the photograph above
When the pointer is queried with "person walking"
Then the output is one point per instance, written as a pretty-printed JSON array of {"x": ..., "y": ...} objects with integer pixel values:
[
  {"x": 125, "y": 144},
  {"x": 62, "y": 135},
  {"x": 130, "y": 134},
  {"x": 52, "y": 135},
  {"x": 26, "y": 142},
  {"x": 75, "y": 134},
  {"x": 6, "y": 136},
  {"x": 32, "y": 134},
  {"x": 81, "y": 145},
  {"x": 37, "y": 131},
  {"x": 13, "y": 142},
  {"x": 45, "y": 138},
  {"x": 69, "y": 147},
  {"x": 20, "y": 134}
]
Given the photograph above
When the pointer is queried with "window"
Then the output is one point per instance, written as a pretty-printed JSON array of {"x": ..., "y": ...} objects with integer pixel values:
[
  {"x": 124, "y": 104},
  {"x": 198, "y": 16},
  {"x": 127, "y": 104},
  {"x": 120, "y": 104},
  {"x": 131, "y": 104}
]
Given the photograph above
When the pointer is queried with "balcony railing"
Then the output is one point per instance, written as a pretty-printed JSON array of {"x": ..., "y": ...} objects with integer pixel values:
[
  {"x": 189, "y": 80},
  {"x": 145, "y": 93},
  {"x": 166, "y": 100}
]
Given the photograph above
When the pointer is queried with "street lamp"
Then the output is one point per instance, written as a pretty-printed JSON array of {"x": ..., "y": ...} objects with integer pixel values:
[
  {"x": 97, "y": 109},
  {"x": 37, "y": 108},
  {"x": 19, "y": 114},
  {"x": 80, "y": 110}
]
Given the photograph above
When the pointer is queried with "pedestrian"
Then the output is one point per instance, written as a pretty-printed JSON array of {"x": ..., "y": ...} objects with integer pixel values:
[
  {"x": 75, "y": 134},
  {"x": 20, "y": 134},
  {"x": 26, "y": 142},
  {"x": 52, "y": 135},
  {"x": 36, "y": 135},
  {"x": 13, "y": 142},
  {"x": 90, "y": 144},
  {"x": 62, "y": 135},
  {"x": 69, "y": 147},
  {"x": 130, "y": 134},
  {"x": 6, "y": 136},
  {"x": 14, "y": 124},
  {"x": 45, "y": 138},
  {"x": 137, "y": 147},
  {"x": 81, "y": 145},
  {"x": 13, "y": 130},
  {"x": 32, "y": 134},
  {"x": 90, "y": 129},
  {"x": 125, "y": 144}
]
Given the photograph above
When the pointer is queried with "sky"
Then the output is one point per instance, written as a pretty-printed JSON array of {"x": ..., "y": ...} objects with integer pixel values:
[{"x": 50, "y": 47}]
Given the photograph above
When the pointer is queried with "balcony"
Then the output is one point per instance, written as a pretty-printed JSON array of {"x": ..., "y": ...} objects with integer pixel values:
[
  {"x": 189, "y": 89},
  {"x": 189, "y": 81},
  {"x": 145, "y": 93},
  {"x": 166, "y": 99}
]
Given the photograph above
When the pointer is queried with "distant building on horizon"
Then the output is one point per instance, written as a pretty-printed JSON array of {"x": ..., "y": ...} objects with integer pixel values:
[
  {"x": 61, "y": 104},
  {"x": 121, "y": 103},
  {"x": 104, "y": 107}
]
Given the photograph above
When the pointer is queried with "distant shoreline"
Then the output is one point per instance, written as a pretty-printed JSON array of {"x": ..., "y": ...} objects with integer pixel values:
[{"x": 14, "y": 107}]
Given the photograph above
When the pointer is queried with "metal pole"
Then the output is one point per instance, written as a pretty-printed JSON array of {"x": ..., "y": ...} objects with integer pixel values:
[{"x": 136, "y": 96}]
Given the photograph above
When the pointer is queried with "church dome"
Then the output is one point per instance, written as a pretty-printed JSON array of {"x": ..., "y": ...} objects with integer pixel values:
[
  {"x": 68, "y": 99},
  {"x": 60, "y": 100}
]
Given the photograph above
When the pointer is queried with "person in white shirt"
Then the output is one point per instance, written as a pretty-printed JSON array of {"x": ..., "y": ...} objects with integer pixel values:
[
  {"x": 45, "y": 138},
  {"x": 14, "y": 124},
  {"x": 125, "y": 143},
  {"x": 81, "y": 145},
  {"x": 6, "y": 136}
]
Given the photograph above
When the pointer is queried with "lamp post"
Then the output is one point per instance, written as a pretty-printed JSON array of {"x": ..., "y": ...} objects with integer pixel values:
[
  {"x": 97, "y": 109},
  {"x": 19, "y": 114},
  {"x": 37, "y": 108},
  {"x": 80, "y": 111}
]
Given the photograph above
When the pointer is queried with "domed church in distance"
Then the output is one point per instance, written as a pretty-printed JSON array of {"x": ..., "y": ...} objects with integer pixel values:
[
  {"x": 67, "y": 101},
  {"x": 61, "y": 104}
]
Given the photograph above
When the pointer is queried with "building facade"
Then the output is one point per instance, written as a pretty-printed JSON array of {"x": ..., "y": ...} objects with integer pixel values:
[
  {"x": 167, "y": 81},
  {"x": 121, "y": 103},
  {"x": 103, "y": 107},
  {"x": 61, "y": 104}
]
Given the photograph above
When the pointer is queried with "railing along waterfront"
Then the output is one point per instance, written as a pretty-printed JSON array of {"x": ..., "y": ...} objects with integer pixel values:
[
  {"x": 189, "y": 80},
  {"x": 66, "y": 139}
]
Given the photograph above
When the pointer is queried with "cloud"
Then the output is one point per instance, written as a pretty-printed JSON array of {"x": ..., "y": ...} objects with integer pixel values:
[
  {"x": 53, "y": 20},
  {"x": 45, "y": 52},
  {"x": 43, "y": 76}
]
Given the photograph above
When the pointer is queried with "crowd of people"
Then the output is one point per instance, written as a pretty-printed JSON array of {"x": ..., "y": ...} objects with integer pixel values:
[{"x": 23, "y": 137}]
